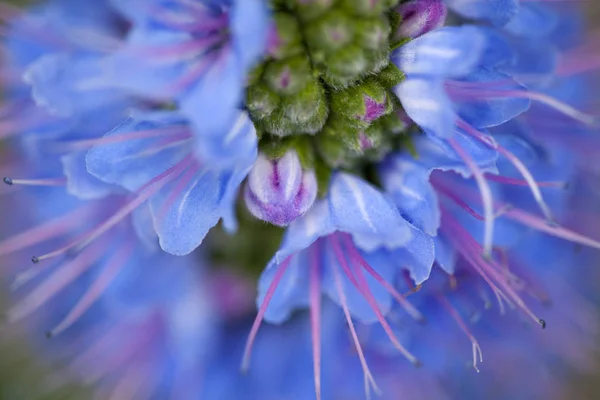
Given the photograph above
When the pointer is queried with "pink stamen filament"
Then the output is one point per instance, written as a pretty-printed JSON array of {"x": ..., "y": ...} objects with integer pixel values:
[
  {"x": 123, "y": 137},
  {"x": 109, "y": 273},
  {"x": 66, "y": 274},
  {"x": 467, "y": 247},
  {"x": 36, "y": 182},
  {"x": 514, "y": 160},
  {"x": 477, "y": 90},
  {"x": 408, "y": 307},
  {"x": 463, "y": 326},
  {"x": 369, "y": 380},
  {"x": 366, "y": 292},
  {"x": 486, "y": 196},
  {"x": 147, "y": 191},
  {"x": 178, "y": 52},
  {"x": 315, "y": 314},
  {"x": 41, "y": 233},
  {"x": 521, "y": 182},
  {"x": 261, "y": 312}
]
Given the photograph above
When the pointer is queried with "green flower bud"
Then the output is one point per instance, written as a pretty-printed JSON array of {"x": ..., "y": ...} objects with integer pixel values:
[
  {"x": 306, "y": 105},
  {"x": 362, "y": 104},
  {"x": 329, "y": 33},
  {"x": 365, "y": 8},
  {"x": 345, "y": 66},
  {"x": 285, "y": 38},
  {"x": 390, "y": 76},
  {"x": 287, "y": 77},
  {"x": 309, "y": 10},
  {"x": 373, "y": 33},
  {"x": 261, "y": 101}
]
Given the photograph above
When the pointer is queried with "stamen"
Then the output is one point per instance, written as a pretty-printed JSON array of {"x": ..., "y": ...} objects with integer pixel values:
[
  {"x": 467, "y": 246},
  {"x": 369, "y": 380},
  {"x": 28, "y": 275},
  {"x": 110, "y": 272},
  {"x": 315, "y": 314},
  {"x": 460, "y": 202},
  {"x": 463, "y": 326},
  {"x": 66, "y": 274},
  {"x": 261, "y": 313},
  {"x": 355, "y": 255},
  {"x": 478, "y": 90},
  {"x": 194, "y": 72},
  {"x": 131, "y": 382},
  {"x": 518, "y": 164},
  {"x": 122, "y": 137},
  {"x": 366, "y": 292},
  {"x": 552, "y": 229},
  {"x": 35, "y": 182},
  {"x": 521, "y": 182},
  {"x": 486, "y": 197},
  {"x": 147, "y": 191},
  {"x": 46, "y": 231}
]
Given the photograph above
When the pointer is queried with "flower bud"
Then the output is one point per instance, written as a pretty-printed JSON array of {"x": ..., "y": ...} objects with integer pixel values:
[
  {"x": 419, "y": 17},
  {"x": 287, "y": 77},
  {"x": 364, "y": 103},
  {"x": 285, "y": 39},
  {"x": 279, "y": 191}
]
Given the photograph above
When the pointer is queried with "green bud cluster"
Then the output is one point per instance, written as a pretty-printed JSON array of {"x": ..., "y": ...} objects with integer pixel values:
[{"x": 325, "y": 87}]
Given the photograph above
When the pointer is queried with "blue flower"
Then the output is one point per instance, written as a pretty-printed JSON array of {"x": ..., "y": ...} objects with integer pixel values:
[
  {"x": 447, "y": 72},
  {"x": 151, "y": 155},
  {"x": 414, "y": 171},
  {"x": 196, "y": 54}
]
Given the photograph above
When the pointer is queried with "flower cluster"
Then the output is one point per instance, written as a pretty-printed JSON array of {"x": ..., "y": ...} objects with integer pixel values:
[{"x": 407, "y": 194}]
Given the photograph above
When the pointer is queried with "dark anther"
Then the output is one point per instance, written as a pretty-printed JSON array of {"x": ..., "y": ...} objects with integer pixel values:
[
  {"x": 8, "y": 181},
  {"x": 35, "y": 260},
  {"x": 542, "y": 323}
]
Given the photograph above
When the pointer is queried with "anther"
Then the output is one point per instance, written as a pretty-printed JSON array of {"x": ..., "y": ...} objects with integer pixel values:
[
  {"x": 542, "y": 323},
  {"x": 8, "y": 181},
  {"x": 35, "y": 259}
]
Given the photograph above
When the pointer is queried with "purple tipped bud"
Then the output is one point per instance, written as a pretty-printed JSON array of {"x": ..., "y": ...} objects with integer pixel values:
[
  {"x": 420, "y": 16},
  {"x": 373, "y": 108},
  {"x": 279, "y": 191}
]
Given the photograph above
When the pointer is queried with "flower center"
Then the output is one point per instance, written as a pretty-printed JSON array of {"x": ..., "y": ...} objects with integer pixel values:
[{"x": 325, "y": 87}]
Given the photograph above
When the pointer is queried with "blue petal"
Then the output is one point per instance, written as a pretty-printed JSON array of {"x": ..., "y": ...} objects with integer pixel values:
[
  {"x": 407, "y": 182},
  {"x": 445, "y": 52},
  {"x": 133, "y": 163},
  {"x": 138, "y": 67},
  {"x": 183, "y": 217},
  {"x": 438, "y": 154},
  {"x": 69, "y": 85},
  {"x": 498, "y": 12},
  {"x": 445, "y": 256},
  {"x": 485, "y": 111},
  {"x": 234, "y": 144},
  {"x": 364, "y": 212},
  {"x": 533, "y": 20},
  {"x": 216, "y": 99},
  {"x": 249, "y": 27},
  {"x": 537, "y": 58},
  {"x": 230, "y": 196},
  {"x": 417, "y": 256},
  {"x": 304, "y": 231},
  {"x": 80, "y": 182},
  {"x": 428, "y": 105}
]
